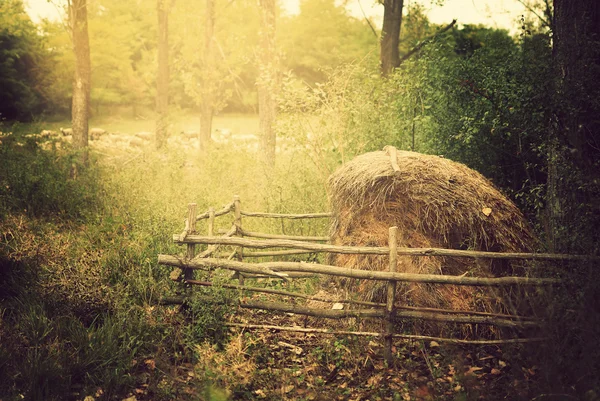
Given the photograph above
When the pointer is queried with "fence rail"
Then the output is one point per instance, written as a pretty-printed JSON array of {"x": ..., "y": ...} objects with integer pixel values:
[{"x": 274, "y": 245}]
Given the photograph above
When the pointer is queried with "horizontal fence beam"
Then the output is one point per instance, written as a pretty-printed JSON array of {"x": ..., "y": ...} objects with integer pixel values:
[
  {"x": 225, "y": 210},
  {"x": 373, "y": 334},
  {"x": 281, "y": 243},
  {"x": 356, "y": 302},
  {"x": 372, "y": 313},
  {"x": 265, "y": 244},
  {"x": 280, "y": 236},
  {"x": 398, "y": 314},
  {"x": 276, "y": 253},
  {"x": 278, "y": 269},
  {"x": 288, "y": 216}
]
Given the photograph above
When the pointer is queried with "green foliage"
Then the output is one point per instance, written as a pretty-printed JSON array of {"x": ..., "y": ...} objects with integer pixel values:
[
  {"x": 23, "y": 63},
  {"x": 323, "y": 36},
  {"x": 38, "y": 182},
  {"x": 484, "y": 96}
]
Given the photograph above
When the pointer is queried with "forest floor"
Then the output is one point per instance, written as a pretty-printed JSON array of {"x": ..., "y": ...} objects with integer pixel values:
[{"x": 279, "y": 365}]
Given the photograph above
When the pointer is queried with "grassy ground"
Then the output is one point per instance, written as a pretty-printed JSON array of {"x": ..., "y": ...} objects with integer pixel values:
[{"x": 79, "y": 285}]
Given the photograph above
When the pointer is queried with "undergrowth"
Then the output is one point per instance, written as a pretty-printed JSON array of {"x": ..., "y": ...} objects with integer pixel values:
[{"x": 80, "y": 283}]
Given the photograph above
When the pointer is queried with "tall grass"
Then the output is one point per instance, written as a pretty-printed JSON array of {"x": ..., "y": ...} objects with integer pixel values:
[{"x": 79, "y": 278}]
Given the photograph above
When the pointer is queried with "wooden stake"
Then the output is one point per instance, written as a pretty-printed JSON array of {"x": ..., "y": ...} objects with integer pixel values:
[
  {"x": 211, "y": 221},
  {"x": 391, "y": 295},
  {"x": 237, "y": 211},
  {"x": 188, "y": 274}
]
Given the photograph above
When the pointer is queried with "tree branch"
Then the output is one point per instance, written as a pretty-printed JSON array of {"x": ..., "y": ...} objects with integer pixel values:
[{"x": 425, "y": 41}]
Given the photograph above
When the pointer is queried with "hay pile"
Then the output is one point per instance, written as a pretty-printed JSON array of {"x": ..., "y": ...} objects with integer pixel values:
[{"x": 435, "y": 202}]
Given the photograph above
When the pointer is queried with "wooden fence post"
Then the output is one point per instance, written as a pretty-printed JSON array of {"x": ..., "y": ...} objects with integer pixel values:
[
  {"x": 188, "y": 274},
  {"x": 237, "y": 212},
  {"x": 211, "y": 222},
  {"x": 391, "y": 295}
]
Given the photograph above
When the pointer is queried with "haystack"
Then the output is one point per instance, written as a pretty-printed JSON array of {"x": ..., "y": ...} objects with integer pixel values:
[{"x": 434, "y": 202}]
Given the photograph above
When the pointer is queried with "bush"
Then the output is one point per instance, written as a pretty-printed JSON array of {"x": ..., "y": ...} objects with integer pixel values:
[{"x": 37, "y": 182}]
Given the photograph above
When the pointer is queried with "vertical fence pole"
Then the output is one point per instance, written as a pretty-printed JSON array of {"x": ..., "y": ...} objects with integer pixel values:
[
  {"x": 391, "y": 295},
  {"x": 237, "y": 211},
  {"x": 211, "y": 221},
  {"x": 188, "y": 274}
]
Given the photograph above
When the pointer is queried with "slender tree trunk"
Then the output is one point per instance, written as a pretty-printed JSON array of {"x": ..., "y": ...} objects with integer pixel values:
[
  {"x": 390, "y": 35},
  {"x": 162, "y": 79},
  {"x": 268, "y": 81},
  {"x": 82, "y": 77},
  {"x": 207, "y": 109}
]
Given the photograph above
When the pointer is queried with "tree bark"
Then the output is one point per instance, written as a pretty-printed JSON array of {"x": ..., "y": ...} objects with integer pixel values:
[
  {"x": 574, "y": 150},
  {"x": 207, "y": 108},
  {"x": 577, "y": 56},
  {"x": 268, "y": 81},
  {"x": 82, "y": 77},
  {"x": 162, "y": 79},
  {"x": 390, "y": 35}
]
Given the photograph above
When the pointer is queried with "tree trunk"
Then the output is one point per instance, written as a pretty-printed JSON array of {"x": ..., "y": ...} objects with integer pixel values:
[
  {"x": 577, "y": 57},
  {"x": 82, "y": 77},
  {"x": 390, "y": 35},
  {"x": 268, "y": 81},
  {"x": 162, "y": 79},
  {"x": 207, "y": 108},
  {"x": 574, "y": 155}
]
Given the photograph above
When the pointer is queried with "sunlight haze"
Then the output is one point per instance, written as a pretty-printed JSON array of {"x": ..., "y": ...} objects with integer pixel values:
[{"x": 495, "y": 13}]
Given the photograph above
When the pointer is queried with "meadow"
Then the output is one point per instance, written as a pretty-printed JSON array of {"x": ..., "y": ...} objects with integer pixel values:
[{"x": 80, "y": 295}]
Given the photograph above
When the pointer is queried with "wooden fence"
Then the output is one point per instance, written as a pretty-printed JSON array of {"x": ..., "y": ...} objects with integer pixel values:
[{"x": 214, "y": 258}]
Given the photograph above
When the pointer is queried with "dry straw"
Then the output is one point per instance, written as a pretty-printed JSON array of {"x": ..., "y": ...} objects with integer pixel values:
[{"x": 435, "y": 202}]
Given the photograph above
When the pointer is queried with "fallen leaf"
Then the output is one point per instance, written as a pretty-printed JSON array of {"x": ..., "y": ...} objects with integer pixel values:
[
  {"x": 487, "y": 211},
  {"x": 132, "y": 398},
  {"x": 434, "y": 344},
  {"x": 495, "y": 371},
  {"x": 472, "y": 371},
  {"x": 260, "y": 393},
  {"x": 150, "y": 363},
  {"x": 502, "y": 364},
  {"x": 287, "y": 389}
]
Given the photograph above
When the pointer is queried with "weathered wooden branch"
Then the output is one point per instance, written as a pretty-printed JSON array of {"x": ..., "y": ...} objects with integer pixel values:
[
  {"x": 361, "y": 313},
  {"x": 277, "y": 253},
  {"x": 221, "y": 212},
  {"x": 265, "y": 244},
  {"x": 271, "y": 267},
  {"x": 356, "y": 302},
  {"x": 213, "y": 248},
  {"x": 288, "y": 275},
  {"x": 317, "y": 312},
  {"x": 279, "y": 236},
  {"x": 374, "y": 334},
  {"x": 398, "y": 315},
  {"x": 288, "y": 216},
  {"x": 191, "y": 248}
]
